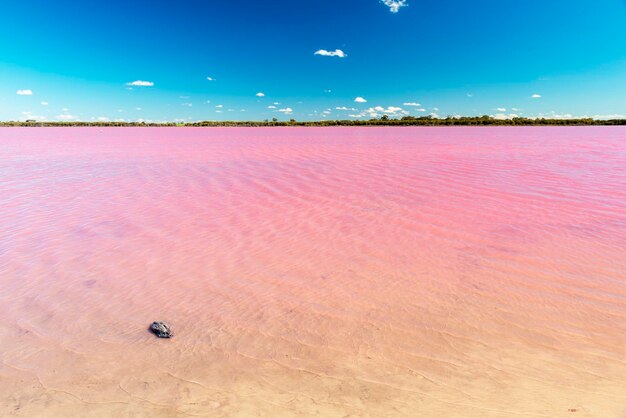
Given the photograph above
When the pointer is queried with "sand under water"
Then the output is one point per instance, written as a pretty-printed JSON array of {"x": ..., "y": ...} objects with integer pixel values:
[{"x": 431, "y": 272}]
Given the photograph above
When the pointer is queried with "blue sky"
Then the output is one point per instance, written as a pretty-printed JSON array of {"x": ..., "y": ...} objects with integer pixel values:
[{"x": 74, "y": 60}]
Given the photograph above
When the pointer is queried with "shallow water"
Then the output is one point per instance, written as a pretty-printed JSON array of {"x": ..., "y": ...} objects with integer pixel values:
[{"x": 455, "y": 272}]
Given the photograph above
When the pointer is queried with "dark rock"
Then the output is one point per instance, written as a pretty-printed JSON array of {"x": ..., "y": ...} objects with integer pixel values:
[{"x": 161, "y": 329}]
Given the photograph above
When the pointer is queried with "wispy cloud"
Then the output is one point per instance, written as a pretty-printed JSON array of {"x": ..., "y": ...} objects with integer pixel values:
[
  {"x": 271, "y": 107},
  {"x": 394, "y": 5},
  {"x": 336, "y": 53},
  {"x": 66, "y": 117},
  {"x": 211, "y": 79},
  {"x": 411, "y": 104},
  {"x": 536, "y": 96},
  {"x": 27, "y": 92},
  {"x": 44, "y": 103},
  {"x": 140, "y": 83},
  {"x": 501, "y": 109},
  {"x": 345, "y": 108},
  {"x": 260, "y": 94},
  {"x": 219, "y": 106},
  {"x": 360, "y": 100},
  {"x": 286, "y": 111}
]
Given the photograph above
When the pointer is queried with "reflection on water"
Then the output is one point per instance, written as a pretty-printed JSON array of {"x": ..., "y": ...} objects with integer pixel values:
[{"x": 457, "y": 272}]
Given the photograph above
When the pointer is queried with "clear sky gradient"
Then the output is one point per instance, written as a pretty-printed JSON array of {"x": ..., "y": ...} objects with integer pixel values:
[{"x": 74, "y": 60}]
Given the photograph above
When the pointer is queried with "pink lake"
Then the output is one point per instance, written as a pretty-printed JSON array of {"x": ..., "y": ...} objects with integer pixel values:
[{"x": 435, "y": 272}]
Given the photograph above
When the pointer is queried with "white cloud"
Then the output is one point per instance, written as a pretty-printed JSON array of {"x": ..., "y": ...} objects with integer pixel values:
[
  {"x": 30, "y": 116},
  {"x": 336, "y": 53},
  {"x": 501, "y": 109},
  {"x": 286, "y": 111},
  {"x": 44, "y": 103},
  {"x": 140, "y": 83},
  {"x": 502, "y": 116},
  {"x": 276, "y": 103},
  {"x": 326, "y": 112},
  {"x": 187, "y": 104},
  {"x": 103, "y": 119},
  {"x": 614, "y": 116},
  {"x": 391, "y": 110},
  {"x": 137, "y": 108},
  {"x": 536, "y": 96},
  {"x": 271, "y": 107},
  {"x": 608, "y": 116},
  {"x": 219, "y": 106},
  {"x": 394, "y": 5},
  {"x": 470, "y": 95},
  {"x": 25, "y": 92},
  {"x": 260, "y": 94},
  {"x": 210, "y": 78},
  {"x": 374, "y": 112},
  {"x": 555, "y": 115},
  {"x": 345, "y": 108},
  {"x": 66, "y": 117},
  {"x": 411, "y": 104},
  {"x": 328, "y": 91},
  {"x": 360, "y": 100}
]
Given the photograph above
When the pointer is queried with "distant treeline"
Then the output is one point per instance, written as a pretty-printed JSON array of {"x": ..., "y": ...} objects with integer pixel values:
[{"x": 384, "y": 121}]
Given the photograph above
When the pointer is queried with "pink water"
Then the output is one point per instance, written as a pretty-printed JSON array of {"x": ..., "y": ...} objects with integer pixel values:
[{"x": 455, "y": 272}]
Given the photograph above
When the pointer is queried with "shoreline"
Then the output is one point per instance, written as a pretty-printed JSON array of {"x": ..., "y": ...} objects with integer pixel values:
[
  {"x": 308, "y": 126},
  {"x": 482, "y": 121}
]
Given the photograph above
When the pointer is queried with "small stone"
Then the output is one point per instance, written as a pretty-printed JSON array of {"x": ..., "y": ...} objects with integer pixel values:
[{"x": 161, "y": 329}]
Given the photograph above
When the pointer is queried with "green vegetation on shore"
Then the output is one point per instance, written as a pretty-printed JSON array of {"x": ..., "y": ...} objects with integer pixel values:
[{"x": 384, "y": 121}]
